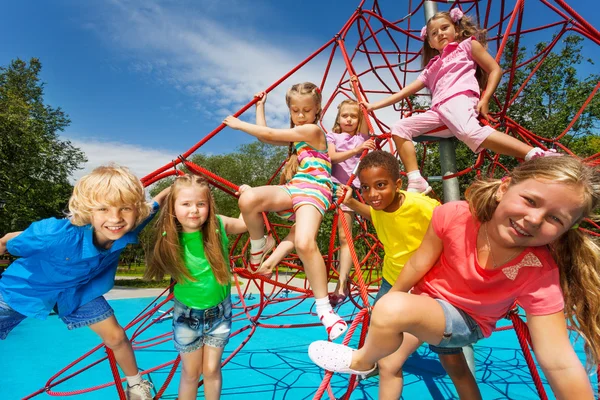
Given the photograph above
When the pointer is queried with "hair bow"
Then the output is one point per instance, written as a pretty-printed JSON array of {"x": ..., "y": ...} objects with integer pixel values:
[
  {"x": 424, "y": 32},
  {"x": 456, "y": 14}
]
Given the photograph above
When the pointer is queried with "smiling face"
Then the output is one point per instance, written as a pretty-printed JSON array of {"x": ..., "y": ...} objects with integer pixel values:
[
  {"x": 303, "y": 109},
  {"x": 111, "y": 223},
  {"x": 379, "y": 189},
  {"x": 535, "y": 212},
  {"x": 192, "y": 207},
  {"x": 440, "y": 32},
  {"x": 348, "y": 117}
]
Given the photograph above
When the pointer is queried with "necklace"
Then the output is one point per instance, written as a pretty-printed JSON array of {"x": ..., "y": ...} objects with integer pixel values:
[{"x": 487, "y": 239}]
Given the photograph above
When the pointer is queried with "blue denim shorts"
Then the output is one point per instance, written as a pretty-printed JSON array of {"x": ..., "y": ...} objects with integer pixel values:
[
  {"x": 90, "y": 313},
  {"x": 194, "y": 328},
  {"x": 383, "y": 289},
  {"x": 461, "y": 330}
]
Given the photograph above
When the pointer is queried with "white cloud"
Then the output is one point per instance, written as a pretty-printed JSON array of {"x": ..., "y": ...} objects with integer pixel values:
[{"x": 140, "y": 160}]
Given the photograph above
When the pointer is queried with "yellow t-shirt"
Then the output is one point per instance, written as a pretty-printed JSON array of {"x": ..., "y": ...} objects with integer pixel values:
[{"x": 401, "y": 232}]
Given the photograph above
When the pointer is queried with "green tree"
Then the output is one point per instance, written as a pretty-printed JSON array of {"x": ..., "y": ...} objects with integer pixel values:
[{"x": 35, "y": 163}]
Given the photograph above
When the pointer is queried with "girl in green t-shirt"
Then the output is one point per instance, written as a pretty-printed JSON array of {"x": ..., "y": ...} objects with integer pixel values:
[{"x": 191, "y": 247}]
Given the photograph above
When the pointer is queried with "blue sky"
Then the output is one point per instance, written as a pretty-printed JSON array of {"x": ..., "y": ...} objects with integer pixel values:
[{"x": 144, "y": 80}]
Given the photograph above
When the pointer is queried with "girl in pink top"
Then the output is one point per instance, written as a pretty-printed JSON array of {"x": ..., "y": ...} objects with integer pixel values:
[
  {"x": 456, "y": 65},
  {"x": 348, "y": 139},
  {"x": 514, "y": 240}
]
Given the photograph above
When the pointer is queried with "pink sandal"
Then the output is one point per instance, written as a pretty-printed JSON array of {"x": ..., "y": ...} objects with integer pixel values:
[{"x": 335, "y": 358}]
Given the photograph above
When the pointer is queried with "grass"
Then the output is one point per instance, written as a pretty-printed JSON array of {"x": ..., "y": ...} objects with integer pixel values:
[{"x": 140, "y": 283}]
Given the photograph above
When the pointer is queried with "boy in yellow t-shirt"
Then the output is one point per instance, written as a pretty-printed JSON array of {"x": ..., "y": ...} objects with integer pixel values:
[{"x": 401, "y": 219}]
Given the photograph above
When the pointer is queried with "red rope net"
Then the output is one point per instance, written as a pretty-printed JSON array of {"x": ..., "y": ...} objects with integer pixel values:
[{"x": 385, "y": 52}]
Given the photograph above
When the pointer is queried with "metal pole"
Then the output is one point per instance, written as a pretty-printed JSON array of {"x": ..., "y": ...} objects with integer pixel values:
[{"x": 450, "y": 186}]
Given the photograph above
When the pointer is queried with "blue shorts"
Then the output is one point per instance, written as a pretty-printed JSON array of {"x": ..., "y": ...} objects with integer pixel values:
[
  {"x": 194, "y": 328},
  {"x": 383, "y": 289},
  {"x": 90, "y": 313},
  {"x": 461, "y": 330}
]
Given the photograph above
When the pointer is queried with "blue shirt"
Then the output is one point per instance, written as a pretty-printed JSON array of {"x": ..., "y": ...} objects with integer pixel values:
[{"x": 60, "y": 265}]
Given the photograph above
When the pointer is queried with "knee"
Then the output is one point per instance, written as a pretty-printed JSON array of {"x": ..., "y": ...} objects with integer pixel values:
[
  {"x": 387, "y": 369},
  {"x": 305, "y": 246},
  {"x": 389, "y": 309},
  {"x": 248, "y": 200},
  {"x": 191, "y": 373},
  {"x": 115, "y": 338},
  {"x": 212, "y": 372}
]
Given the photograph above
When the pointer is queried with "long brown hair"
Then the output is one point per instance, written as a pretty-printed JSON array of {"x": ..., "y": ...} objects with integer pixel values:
[
  {"x": 465, "y": 28},
  {"x": 576, "y": 253},
  {"x": 299, "y": 89},
  {"x": 166, "y": 256}
]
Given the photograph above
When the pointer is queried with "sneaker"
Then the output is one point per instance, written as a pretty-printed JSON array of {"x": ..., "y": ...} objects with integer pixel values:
[
  {"x": 258, "y": 257},
  {"x": 537, "y": 152},
  {"x": 141, "y": 391},
  {"x": 418, "y": 185}
]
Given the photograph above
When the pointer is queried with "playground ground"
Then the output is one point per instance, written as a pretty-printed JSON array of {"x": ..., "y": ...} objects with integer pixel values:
[{"x": 273, "y": 364}]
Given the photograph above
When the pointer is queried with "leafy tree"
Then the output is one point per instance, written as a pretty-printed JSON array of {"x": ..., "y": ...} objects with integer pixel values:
[{"x": 35, "y": 163}]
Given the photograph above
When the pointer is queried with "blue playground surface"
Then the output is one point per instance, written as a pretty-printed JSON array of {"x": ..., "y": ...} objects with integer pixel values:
[{"x": 273, "y": 364}]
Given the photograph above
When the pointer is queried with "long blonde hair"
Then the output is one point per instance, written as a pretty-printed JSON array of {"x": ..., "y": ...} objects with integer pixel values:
[
  {"x": 166, "y": 256},
  {"x": 299, "y": 89},
  {"x": 465, "y": 28},
  {"x": 576, "y": 253}
]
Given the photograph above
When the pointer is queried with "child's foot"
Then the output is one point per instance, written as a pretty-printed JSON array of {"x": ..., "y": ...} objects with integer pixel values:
[
  {"x": 418, "y": 185},
  {"x": 141, "y": 391},
  {"x": 537, "y": 152},
  {"x": 265, "y": 270},
  {"x": 339, "y": 295},
  {"x": 335, "y": 325},
  {"x": 258, "y": 256},
  {"x": 335, "y": 358}
]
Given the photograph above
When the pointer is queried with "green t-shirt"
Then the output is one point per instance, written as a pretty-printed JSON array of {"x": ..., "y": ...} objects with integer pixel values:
[{"x": 206, "y": 291}]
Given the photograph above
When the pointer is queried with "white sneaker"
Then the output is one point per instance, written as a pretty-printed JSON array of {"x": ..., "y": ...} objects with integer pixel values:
[{"x": 141, "y": 391}]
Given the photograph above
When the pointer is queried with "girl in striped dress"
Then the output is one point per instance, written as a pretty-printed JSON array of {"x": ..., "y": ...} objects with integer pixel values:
[{"x": 308, "y": 193}]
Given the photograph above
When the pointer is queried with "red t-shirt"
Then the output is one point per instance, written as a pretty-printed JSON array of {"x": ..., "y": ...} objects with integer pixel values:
[{"x": 531, "y": 279}]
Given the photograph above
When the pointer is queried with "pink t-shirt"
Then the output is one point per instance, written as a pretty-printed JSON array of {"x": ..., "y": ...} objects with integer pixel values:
[
  {"x": 531, "y": 279},
  {"x": 340, "y": 172},
  {"x": 451, "y": 73}
]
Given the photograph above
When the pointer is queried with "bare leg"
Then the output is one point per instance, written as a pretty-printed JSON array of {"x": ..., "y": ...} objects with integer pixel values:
[
  {"x": 114, "y": 337},
  {"x": 391, "y": 377},
  {"x": 406, "y": 151},
  {"x": 504, "y": 144},
  {"x": 191, "y": 369},
  {"x": 308, "y": 220},
  {"x": 345, "y": 264},
  {"x": 458, "y": 370},
  {"x": 213, "y": 378},
  {"x": 395, "y": 313},
  {"x": 254, "y": 201},
  {"x": 285, "y": 247}
]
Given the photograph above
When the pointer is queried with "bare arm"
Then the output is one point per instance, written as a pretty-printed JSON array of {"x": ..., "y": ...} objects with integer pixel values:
[
  {"x": 556, "y": 356},
  {"x": 260, "y": 108},
  {"x": 360, "y": 208},
  {"x": 421, "y": 261},
  {"x": 491, "y": 67},
  {"x": 309, "y": 133},
  {"x": 408, "y": 90},
  {"x": 161, "y": 196},
  {"x": 6, "y": 238},
  {"x": 234, "y": 226},
  {"x": 341, "y": 156}
]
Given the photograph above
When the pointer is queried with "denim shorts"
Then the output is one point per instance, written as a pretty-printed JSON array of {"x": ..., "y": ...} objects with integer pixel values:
[
  {"x": 383, "y": 289},
  {"x": 90, "y": 313},
  {"x": 194, "y": 328},
  {"x": 461, "y": 330}
]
